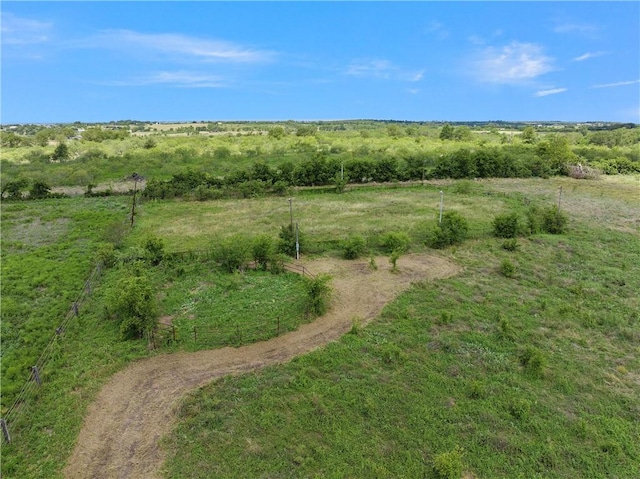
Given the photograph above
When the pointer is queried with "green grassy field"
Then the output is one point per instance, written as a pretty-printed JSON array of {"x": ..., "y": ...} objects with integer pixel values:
[{"x": 532, "y": 376}]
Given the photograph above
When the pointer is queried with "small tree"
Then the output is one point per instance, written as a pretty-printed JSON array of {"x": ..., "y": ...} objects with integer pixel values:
[
  {"x": 232, "y": 253},
  {"x": 353, "y": 247},
  {"x": 14, "y": 189},
  {"x": 506, "y": 225},
  {"x": 132, "y": 303},
  {"x": 394, "y": 241},
  {"x": 262, "y": 251},
  {"x": 61, "y": 153},
  {"x": 39, "y": 190},
  {"x": 287, "y": 240},
  {"x": 447, "y": 132},
  {"x": 452, "y": 230}
]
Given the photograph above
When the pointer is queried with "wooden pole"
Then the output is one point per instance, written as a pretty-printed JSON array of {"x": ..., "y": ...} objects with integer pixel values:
[
  {"x": 133, "y": 203},
  {"x": 5, "y": 430},
  {"x": 36, "y": 375},
  {"x": 441, "y": 206}
]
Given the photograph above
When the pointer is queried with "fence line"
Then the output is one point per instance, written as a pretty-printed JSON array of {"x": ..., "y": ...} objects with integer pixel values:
[
  {"x": 232, "y": 336},
  {"x": 35, "y": 376}
]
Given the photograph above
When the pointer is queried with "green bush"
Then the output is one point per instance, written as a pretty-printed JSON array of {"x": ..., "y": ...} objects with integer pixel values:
[
  {"x": 507, "y": 268},
  {"x": 318, "y": 293},
  {"x": 287, "y": 240},
  {"x": 353, "y": 247},
  {"x": 532, "y": 360},
  {"x": 262, "y": 251},
  {"x": 154, "y": 250},
  {"x": 510, "y": 244},
  {"x": 132, "y": 302},
  {"x": 506, "y": 225},
  {"x": 394, "y": 241},
  {"x": 232, "y": 253},
  {"x": 452, "y": 230},
  {"x": 554, "y": 221},
  {"x": 448, "y": 465},
  {"x": 546, "y": 220}
]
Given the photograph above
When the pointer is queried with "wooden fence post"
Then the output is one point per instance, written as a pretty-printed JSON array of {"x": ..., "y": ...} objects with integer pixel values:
[
  {"x": 278, "y": 326},
  {"x": 75, "y": 308},
  {"x": 173, "y": 330},
  {"x": 35, "y": 374},
  {"x": 5, "y": 430},
  {"x": 195, "y": 334}
]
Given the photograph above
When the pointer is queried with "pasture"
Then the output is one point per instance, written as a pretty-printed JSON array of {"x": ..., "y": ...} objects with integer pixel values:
[{"x": 530, "y": 375}]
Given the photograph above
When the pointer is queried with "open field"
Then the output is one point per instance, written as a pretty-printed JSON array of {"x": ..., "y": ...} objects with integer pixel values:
[{"x": 531, "y": 375}]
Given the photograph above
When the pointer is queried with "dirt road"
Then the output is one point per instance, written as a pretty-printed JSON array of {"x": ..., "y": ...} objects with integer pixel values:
[{"x": 122, "y": 428}]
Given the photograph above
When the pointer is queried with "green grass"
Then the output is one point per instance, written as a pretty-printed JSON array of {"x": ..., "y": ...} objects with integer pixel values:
[
  {"x": 445, "y": 365},
  {"x": 210, "y": 308},
  {"x": 48, "y": 251}
]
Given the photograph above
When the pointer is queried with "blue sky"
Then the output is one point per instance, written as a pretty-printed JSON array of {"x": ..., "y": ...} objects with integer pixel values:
[{"x": 423, "y": 61}]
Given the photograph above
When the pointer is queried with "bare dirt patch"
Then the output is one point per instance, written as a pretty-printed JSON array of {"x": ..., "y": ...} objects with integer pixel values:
[{"x": 122, "y": 428}]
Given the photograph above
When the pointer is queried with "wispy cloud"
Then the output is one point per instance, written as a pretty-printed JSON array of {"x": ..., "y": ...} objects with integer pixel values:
[
  {"x": 438, "y": 29},
  {"x": 382, "y": 69},
  {"x": 182, "y": 79},
  {"x": 620, "y": 83},
  {"x": 24, "y": 31},
  {"x": 553, "y": 91},
  {"x": 515, "y": 63},
  {"x": 177, "y": 44},
  {"x": 588, "y": 55},
  {"x": 570, "y": 27}
]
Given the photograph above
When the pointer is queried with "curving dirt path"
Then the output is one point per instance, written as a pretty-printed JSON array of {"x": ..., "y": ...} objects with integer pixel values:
[{"x": 122, "y": 428}]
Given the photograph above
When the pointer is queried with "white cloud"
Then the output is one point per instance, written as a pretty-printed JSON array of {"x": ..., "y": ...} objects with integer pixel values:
[
  {"x": 588, "y": 55},
  {"x": 24, "y": 31},
  {"x": 183, "y": 79},
  {"x": 438, "y": 29},
  {"x": 578, "y": 28},
  {"x": 620, "y": 83},
  {"x": 177, "y": 44},
  {"x": 553, "y": 91},
  {"x": 413, "y": 91},
  {"x": 382, "y": 69},
  {"x": 515, "y": 63}
]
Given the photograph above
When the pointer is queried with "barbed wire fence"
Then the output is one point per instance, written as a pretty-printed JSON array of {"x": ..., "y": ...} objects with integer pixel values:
[
  {"x": 38, "y": 370},
  {"x": 209, "y": 335}
]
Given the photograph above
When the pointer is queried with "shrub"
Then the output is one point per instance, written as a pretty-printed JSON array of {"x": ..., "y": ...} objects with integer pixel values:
[
  {"x": 532, "y": 360},
  {"x": 232, "y": 253},
  {"x": 353, "y": 247},
  {"x": 448, "y": 465},
  {"x": 452, "y": 230},
  {"x": 107, "y": 255},
  {"x": 154, "y": 250},
  {"x": 548, "y": 220},
  {"x": 506, "y": 225},
  {"x": 554, "y": 221},
  {"x": 507, "y": 268},
  {"x": 287, "y": 240},
  {"x": 132, "y": 303},
  {"x": 262, "y": 251},
  {"x": 394, "y": 241},
  {"x": 318, "y": 293},
  {"x": 393, "y": 259},
  {"x": 510, "y": 244}
]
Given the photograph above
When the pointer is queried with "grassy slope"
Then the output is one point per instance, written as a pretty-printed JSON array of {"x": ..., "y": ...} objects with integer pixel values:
[
  {"x": 599, "y": 378},
  {"x": 442, "y": 368}
]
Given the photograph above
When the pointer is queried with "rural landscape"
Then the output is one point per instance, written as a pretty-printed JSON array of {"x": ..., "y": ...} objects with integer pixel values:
[{"x": 288, "y": 299}]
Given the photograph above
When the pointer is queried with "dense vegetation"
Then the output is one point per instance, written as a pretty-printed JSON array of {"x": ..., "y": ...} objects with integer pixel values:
[{"x": 207, "y": 161}]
